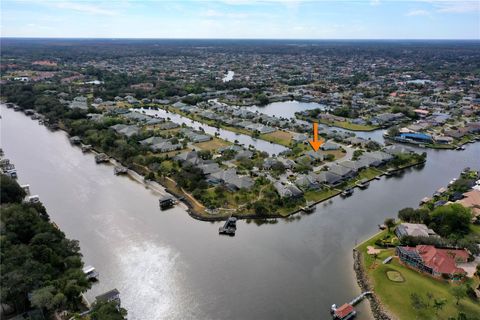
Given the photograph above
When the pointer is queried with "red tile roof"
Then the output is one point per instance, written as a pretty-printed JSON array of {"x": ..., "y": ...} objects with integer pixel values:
[
  {"x": 343, "y": 311},
  {"x": 441, "y": 260}
]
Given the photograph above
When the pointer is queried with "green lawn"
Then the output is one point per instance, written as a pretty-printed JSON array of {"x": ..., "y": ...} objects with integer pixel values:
[
  {"x": 280, "y": 137},
  {"x": 349, "y": 126},
  {"x": 396, "y": 295},
  {"x": 475, "y": 229},
  {"x": 316, "y": 196}
]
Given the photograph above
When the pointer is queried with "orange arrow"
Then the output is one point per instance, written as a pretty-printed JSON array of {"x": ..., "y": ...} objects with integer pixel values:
[{"x": 315, "y": 143}]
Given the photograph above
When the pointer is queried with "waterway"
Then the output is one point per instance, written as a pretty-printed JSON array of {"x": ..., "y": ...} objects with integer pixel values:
[
  {"x": 167, "y": 265},
  {"x": 259, "y": 144},
  {"x": 286, "y": 109}
]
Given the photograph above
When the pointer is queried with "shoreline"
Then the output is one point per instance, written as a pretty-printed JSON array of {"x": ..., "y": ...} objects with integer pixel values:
[
  {"x": 189, "y": 205},
  {"x": 378, "y": 310}
]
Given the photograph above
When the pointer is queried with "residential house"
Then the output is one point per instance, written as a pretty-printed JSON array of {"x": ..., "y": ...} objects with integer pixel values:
[
  {"x": 414, "y": 230},
  {"x": 329, "y": 178},
  {"x": 307, "y": 182},
  {"x": 342, "y": 171},
  {"x": 230, "y": 179},
  {"x": 329, "y": 146},
  {"x": 287, "y": 190},
  {"x": 440, "y": 263},
  {"x": 127, "y": 130}
]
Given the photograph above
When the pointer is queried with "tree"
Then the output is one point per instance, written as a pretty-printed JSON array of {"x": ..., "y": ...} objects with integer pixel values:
[
  {"x": 104, "y": 310},
  {"x": 438, "y": 305},
  {"x": 47, "y": 298},
  {"x": 459, "y": 292},
  {"x": 10, "y": 190},
  {"x": 406, "y": 214},
  {"x": 390, "y": 223},
  {"x": 450, "y": 220},
  {"x": 393, "y": 132},
  {"x": 37, "y": 259},
  {"x": 416, "y": 301},
  {"x": 429, "y": 298}
]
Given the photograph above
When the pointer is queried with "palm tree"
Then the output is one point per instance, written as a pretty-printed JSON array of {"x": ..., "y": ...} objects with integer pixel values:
[{"x": 438, "y": 305}]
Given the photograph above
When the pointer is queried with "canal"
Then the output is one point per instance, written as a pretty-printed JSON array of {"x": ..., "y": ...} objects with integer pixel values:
[
  {"x": 167, "y": 265},
  {"x": 287, "y": 109},
  {"x": 259, "y": 144}
]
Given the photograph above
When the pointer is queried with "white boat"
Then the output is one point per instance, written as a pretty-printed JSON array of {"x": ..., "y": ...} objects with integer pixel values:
[{"x": 90, "y": 273}]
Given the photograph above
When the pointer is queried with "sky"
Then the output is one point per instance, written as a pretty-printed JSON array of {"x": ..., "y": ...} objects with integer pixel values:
[{"x": 251, "y": 19}]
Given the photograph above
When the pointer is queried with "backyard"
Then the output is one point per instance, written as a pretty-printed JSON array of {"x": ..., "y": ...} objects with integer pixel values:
[{"x": 394, "y": 284}]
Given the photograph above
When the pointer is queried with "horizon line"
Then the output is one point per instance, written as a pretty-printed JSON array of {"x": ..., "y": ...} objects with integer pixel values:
[{"x": 304, "y": 39}]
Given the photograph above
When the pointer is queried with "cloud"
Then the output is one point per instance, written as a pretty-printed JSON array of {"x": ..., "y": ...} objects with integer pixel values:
[
  {"x": 414, "y": 13},
  {"x": 458, "y": 6},
  {"x": 85, "y": 7},
  {"x": 374, "y": 2}
]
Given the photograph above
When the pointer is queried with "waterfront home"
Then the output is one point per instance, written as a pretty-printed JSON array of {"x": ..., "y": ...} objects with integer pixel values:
[
  {"x": 375, "y": 159},
  {"x": 307, "y": 182},
  {"x": 387, "y": 118},
  {"x": 230, "y": 179},
  {"x": 287, "y": 190},
  {"x": 344, "y": 172},
  {"x": 244, "y": 154},
  {"x": 440, "y": 263},
  {"x": 417, "y": 137},
  {"x": 168, "y": 125},
  {"x": 233, "y": 147},
  {"x": 329, "y": 178},
  {"x": 414, "y": 229},
  {"x": 456, "y": 133},
  {"x": 354, "y": 165},
  {"x": 195, "y": 136},
  {"x": 471, "y": 200},
  {"x": 396, "y": 149},
  {"x": 442, "y": 139}
]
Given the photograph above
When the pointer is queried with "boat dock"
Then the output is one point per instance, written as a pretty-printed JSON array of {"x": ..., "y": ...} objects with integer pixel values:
[
  {"x": 362, "y": 296},
  {"x": 346, "y": 311},
  {"x": 120, "y": 170},
  {"x": 166, "y": 202},
  {"x": 229, "y": 227}
]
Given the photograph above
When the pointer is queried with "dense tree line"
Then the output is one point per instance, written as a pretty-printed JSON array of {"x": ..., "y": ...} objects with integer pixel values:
[{"x": 40, "y": 267}]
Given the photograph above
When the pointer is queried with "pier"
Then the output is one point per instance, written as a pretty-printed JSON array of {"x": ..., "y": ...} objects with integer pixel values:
[{"x": 346, "y": 311}]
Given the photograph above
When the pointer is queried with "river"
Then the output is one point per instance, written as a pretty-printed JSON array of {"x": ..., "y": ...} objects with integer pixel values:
[{"x": 167, "y": 265}]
